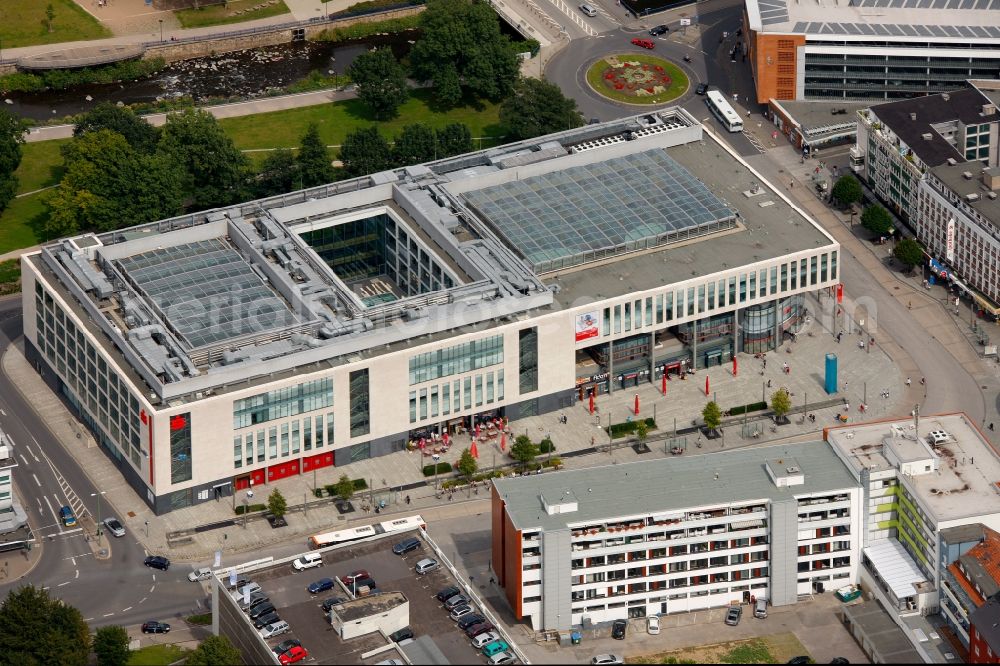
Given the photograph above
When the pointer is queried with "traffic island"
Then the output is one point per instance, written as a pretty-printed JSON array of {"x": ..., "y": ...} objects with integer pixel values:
[{"x": 637, "y": 78}]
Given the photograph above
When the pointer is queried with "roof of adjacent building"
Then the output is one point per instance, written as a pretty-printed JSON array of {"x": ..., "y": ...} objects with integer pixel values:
[
  {"x": 869, "y": 20},
  {"x": 966, "y": 179},
  {"x": 877, "y": 628},
  {"x": 912, "y": 119},
  {"x": 362, "y": 607},
  {"x": 669, "y": 484},
  {"x": 964, "y": 484},
  {"x": 978, "y": 570},
  {"x": 986, "y": 620}
]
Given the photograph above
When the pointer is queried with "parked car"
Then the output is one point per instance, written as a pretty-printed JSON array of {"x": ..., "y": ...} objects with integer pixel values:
[
  {"x": 658, "y": 30},
  {"x": 390, "y": 662},
  {"x": 201, "y": 573},
  {"x": 364, "y": 582},
  {"x": 501, "y": 658},
  {"x": 308, "y": 561},
  {"x": 67, "y": 517},
  {"x": 482, "y": 640},
  {"x": 331, "y": 602},
  {"x": 426, "y": 565},
  {"x": 256, "y": 598},
  {"x": 154, "y": 627},
  {"x": 157, "y": 562},
  {"x": 760, "y": 609},
  {"x": 461, "y": 612},
  {"x": 261, "y": 609},
  {"x": 840, "y": 660},
  {"x": 354, "y": 575},
  {"x": 470, "y": 620},
  {"x": 240, "y": 582},
  {"x": 406, "y": 545},
  {"x": 266, "y": 619},
  {"x": 114, "y": 526},
  {"x": 801, "y": 659},
  {"x": 588, "y": 10},
  {"x": 733, "y": 616},
  {"x": 293, "y": 655},
  {"x": 653, "y": 625},
  {"x": 286, "y": 645},
  {"x": 618, "y": 630},
  {"x": 644, "y": 43},
  {"x": 447, "y": 593},
  {"x": 457, "y": 600},
  {"x": 603, "y": 659},
  {"x": 244, "y": 590},
  {"x": 496, "y": 647},
  {"x": 321, "y": 585},
  {"x": 401, "y": 635},
  {"x": 276, "y": 629},
  {"x": 702, "y": 89},
  {"x": 476, "y": 630}
]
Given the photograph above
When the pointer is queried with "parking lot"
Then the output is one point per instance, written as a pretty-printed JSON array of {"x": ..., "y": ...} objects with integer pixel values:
[{"x": 287, "y": 590}]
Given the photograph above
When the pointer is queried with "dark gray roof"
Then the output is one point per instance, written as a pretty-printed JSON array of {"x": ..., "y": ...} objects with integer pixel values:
[
  {"x": 888, "y": 640},
  {"x": 963, "y": 533},
  {"x": 963, "y": 105},
  {"x": 986, "y": 620}
]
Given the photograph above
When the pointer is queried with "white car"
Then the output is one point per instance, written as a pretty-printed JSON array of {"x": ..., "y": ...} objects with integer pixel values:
[
  {"x": 501, "y": 658},
  {"x": 203, "y": 573},
  {"x": 607, "y": 659},
  {"x": 275, "y": 629},
  {"x": 482, "y": 640},
  {"x": 460, "y": 612},
  {"x": 653, "y": 625},
  {"x": 114, "y": 526}
]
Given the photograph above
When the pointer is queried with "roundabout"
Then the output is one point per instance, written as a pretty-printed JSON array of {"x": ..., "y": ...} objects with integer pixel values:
[{"x": 637, "y": 78}]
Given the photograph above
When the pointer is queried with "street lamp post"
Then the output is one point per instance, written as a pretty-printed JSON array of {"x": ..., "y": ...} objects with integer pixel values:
[
  {"x": 161, "y": 30},
  {"x": 147, "y": 529},
  {"x": 99, "y": 531}
]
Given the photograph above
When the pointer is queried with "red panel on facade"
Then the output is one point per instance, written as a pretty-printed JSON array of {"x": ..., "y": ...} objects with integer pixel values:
[
  {"x": 309, "y": 463},
  {"x": 286, "y": 469}
]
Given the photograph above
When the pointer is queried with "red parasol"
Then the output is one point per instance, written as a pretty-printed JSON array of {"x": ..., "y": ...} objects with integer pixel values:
[
  {"x": 592, "y": 402},
  {"x": 423, "y": 443},
  {"x": 706, "y": 384},
  {"x": 503, "y": 441},
  {"x": 477, "y": 431},
  {"x": 445, "y": 438},
  {"x": 664, "y": 382},
  {"x": 735, "y": 367},
  {"x": 474, "y": 450},
  {"x": 636, "y": 404}
]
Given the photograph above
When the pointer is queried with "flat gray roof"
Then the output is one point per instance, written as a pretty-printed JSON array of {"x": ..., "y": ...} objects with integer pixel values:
[
  {"x": 815, "y": 116},
  {"x": 670, "y": 484},
  {"x": 889, "y": 641},
  {"x": 953, "y": 177}
]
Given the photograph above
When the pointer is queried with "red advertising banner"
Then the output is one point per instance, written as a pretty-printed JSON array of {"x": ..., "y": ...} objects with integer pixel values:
[{"x": 586, "y": 326}]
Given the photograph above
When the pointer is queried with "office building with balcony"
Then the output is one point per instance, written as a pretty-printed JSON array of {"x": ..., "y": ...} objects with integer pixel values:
[
  {"x": 675, "y": 535},
  {"x": 868, "y": 49},
  {"x": 243, "y": 345}
]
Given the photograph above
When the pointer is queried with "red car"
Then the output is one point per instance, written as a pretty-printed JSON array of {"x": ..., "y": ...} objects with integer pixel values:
[
  {"x": 296, "y": 654},
  {"x": 644, "y": 43},
  {"x": 354, "y": 575}
]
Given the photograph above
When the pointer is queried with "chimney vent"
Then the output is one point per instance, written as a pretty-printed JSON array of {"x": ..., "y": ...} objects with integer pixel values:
[
  {"x": 989, "y": 109},
  {"x": 913, "y": 116},
  {"x": 927, "y": 136}
]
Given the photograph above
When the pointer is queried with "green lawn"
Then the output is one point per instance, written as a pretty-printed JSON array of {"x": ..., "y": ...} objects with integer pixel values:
[
  {"x": 41, "y": 165},
  {"x": 222, "y": 14},
  {"x": 156, "y": 655},
  {"x": 18, "y": 222},
  {"x": 284, "y": 128},
  {"x": 22, "y": 23}
]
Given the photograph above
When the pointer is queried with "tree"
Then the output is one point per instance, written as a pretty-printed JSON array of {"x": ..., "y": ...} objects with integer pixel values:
[
  {"x": 37, "y": 630},
  {"x": 101, "y": 189},
  {"x": 415, "y": 144},
  {"x": 215, "y": 170},
  {"x": 781, "y": 403},
  {"x": 11, "y": 140},
  {"x": 111, "y": 646},
  {"x": 313, "y": 160},
  {"x": 278, "y": 174},
  {"x": 454, "y": 139},
  {"x": 140, "y": 134},
  {"x": 467, "y": 465},
  {"x": 344, "y": 488},
  {"x": 641, "y": 430},
  {"x": 462, "y": 45},
  {"x": 847, "y": 190},
  {"x": 214, "y": 651},
  {"x": 909, "y": 253},
  {"x": 876, "y": 220},
  {"x": 523, "y": 450},
  {"x": 50, "y": 15},
  {"x": 365, "y": 151},
  {"x": 537, "y": 107},
  {"x": 380, "y": 82},
  {"x": 276, "y": 504},
  {"x": 712, "y": 415}
]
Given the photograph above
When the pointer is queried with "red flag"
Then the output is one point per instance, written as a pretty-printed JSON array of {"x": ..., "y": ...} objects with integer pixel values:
[
  {"x": 735, "y": 367},
  {"x": 636, "y": 404},
  {"x": 474, "y": 450},
  {"x": 503, "y": 441},
  {"x": 591, "y": 402},
  {"x": 840, "y": 293},
  {"x": 664, "y": 381},
  {"x": 706, "y": 384}
]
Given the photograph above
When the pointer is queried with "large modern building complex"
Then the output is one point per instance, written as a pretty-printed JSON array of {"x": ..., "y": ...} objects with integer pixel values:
[
  {"x": 676, "y": 535},
  {"x": 869, "y": 49},
  {"x": 248, "y": 344}
]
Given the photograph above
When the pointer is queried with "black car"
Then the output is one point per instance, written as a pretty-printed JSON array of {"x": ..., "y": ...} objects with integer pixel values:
[
  {"x": 285, "y": 646},
  {"x": 401, "y": 635},
  {"x": 801, "y": 659},
  {"x": 157, "y": 562},
  {"x": 701, "y": 89},
  {"x": 254, "y": 603},
  {"x": 262, "y": 609},
  {"x": 840, "y": 660},
  {"x": 658, "y": 30},
  {"x": 470, "y": 620},
  {"x": 618, "y": 629},
  {"x": 331, "y": 602},
  {"x": 447, "y": 593},
  {"x": 266, "y": 619},
  {"x": 154, "y": 627},
  {"x": 364, "y": 582},
  {"x": 406, "y": 545}
]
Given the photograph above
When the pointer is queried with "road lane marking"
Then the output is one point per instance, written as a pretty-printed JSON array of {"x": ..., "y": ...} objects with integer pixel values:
[
  {"x": 88, "y": 619},
  {"x": 125, "y": 610},
  {"x": 54, "y": 516},
  {"x": 23, "y": 458},
  {"x": 3, "y": 412},
  {"x": 108, "y": 614},
  {"x": 73, "y": 559},
  {"x": 35, "y": 477},
  {"x": 77, "y": 572},
  {"x": 28, "y": 449},
  {"x": 151, "y": 589},
  {"x": 61, "y": 584},
  {"x": 143, "y": 599}
]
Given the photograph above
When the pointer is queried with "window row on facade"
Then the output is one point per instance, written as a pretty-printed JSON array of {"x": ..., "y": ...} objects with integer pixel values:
[
  {"x": 455, "y": 396},
  {"x": 284, "y": 440}
]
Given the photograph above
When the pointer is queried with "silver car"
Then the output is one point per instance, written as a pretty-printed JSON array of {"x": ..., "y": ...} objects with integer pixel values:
[
  {"x": 203, "y": 573},
  {"x": 114, "y": 526}
]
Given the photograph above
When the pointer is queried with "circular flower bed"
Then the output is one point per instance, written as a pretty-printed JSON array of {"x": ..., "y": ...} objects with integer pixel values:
[{"x": 637, "y": 79}]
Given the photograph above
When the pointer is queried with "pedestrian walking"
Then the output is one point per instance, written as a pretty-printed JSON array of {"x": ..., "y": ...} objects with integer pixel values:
[
  {"x": 908, "y": 382},
  {"x": 840, "y": 334},
  {"x": 765, "y": 363},
  {"x": 768, "y": 383},
  {"x": 407, "y": 499},
  {"x": 991, "y": 426}
]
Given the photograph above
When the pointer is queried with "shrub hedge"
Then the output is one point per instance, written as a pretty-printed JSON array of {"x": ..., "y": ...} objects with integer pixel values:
[
  {"x": 627, "y": 428},
  {"x": 250, "y": 508},
  {"x": 442, "y": 468},
  {"x": 745, "y": 409}
]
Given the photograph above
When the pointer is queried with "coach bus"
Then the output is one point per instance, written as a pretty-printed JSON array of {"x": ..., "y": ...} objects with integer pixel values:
[
  {"x": 724, "y": 111},
  {"x": 357, "y": 533}
]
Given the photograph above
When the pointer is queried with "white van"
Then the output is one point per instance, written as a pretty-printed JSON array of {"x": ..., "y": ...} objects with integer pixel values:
[
  {"x": 760, "y": 609},
  {"x": 588, "y": 9},
  {"x": 308, "y": 561}
]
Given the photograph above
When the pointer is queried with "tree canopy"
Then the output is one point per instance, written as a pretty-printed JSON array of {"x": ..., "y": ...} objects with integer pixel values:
[
  {"x": 215, "y": 170},
  {"x": 278, "y": 174},
  {"x": 276, "y": 503},
  {"x": 454, "y": 139},
  {"x": 365, "y": 151},
  {"x": 415, "y": 144},
  {"x": 111, "y": 646},
  {"x": 876, "y": 220},
  {"x": 313, "y": 161},
  {"x": 380, "y": 82},
  {"x": 140, "y": 134},
  {"x": 37, "y": 630},
  {"x": 781, "y": 403},
  {"x": 537, "y": 107},
  {"x": 467, "y": 465},
  {"x": 909, "y": 252},
  {"x": 462, "y": 45},
  {"x": 847, "y": 190},
  {"x": 712, "y": 415},
  {"x": 214, "y": 651},
  {"x": 523, "y": 450},
  {"x": 11, "y": 140},
  {"x": 344, "y": 487}
]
